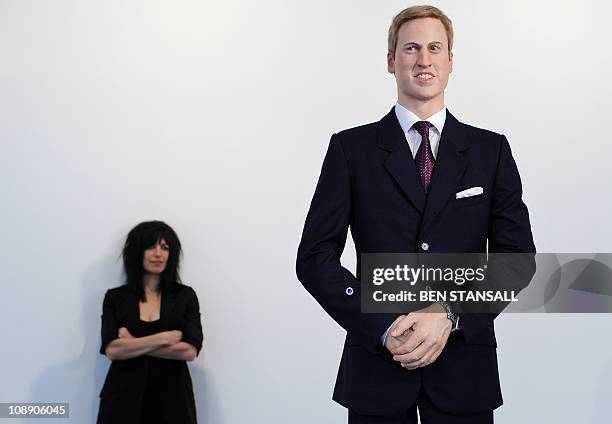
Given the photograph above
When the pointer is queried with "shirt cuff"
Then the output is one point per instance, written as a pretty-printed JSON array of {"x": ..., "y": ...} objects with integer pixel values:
[{"x": 383, "y": 338}]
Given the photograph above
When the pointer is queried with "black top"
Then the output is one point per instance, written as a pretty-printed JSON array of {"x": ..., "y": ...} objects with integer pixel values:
[{"x": 157, "y": 370}]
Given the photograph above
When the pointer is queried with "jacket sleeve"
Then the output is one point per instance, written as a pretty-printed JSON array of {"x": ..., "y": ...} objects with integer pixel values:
[
  {"x": 192, "y": 324},
  {"x": 318, "y": 264},
  {"x": 511, "y": 263},
  {"x": 110, "y": 326}
]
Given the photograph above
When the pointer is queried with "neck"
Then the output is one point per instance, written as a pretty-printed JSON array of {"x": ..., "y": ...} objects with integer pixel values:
[
  {"x": 150, "y": 282},
  {"x": 422, "y": 108}
]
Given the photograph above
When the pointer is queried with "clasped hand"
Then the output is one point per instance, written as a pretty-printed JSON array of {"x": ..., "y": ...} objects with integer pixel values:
[{"x": 418, "y": 338}]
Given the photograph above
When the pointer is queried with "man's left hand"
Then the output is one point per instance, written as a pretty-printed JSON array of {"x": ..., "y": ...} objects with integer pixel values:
[{"x": 431, "y": 328}]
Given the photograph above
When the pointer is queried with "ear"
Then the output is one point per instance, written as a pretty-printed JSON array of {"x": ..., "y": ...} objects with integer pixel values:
[
  {"x": 390, "y": 62},
  {"x": 450, "y": 60}
]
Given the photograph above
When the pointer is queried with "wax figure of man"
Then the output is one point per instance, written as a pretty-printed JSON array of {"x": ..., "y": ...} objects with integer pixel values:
[{"x": 394, "y": 182}]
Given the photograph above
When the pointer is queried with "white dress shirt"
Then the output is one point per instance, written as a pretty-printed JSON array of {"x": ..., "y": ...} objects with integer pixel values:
[{"x": 407, "y": 119}]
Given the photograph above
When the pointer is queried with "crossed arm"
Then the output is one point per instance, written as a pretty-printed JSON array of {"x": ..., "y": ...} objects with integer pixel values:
[
  {"x": 166, "y": 344},
  {"x": 184, "y": 344}
]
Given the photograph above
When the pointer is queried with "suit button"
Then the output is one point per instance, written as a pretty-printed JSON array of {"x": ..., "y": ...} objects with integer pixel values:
[
  {"x": 349, "y": 291},
  {"x": 424, "y": 246}
]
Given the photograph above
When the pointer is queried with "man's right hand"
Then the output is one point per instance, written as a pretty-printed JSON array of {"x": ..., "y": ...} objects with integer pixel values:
[{"x": 392, "y": 343}]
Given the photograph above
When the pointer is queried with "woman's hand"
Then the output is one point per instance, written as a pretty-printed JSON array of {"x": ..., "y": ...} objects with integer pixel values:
[
  {"x": 171, "y": 337},
  {"x": 123, "y": 333}
]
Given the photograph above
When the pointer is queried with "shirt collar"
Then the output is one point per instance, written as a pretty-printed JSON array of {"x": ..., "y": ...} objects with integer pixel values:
[{"x": 407, "y": 118}]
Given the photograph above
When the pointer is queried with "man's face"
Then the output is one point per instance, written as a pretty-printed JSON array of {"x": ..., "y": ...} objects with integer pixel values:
[{"x": 422, "y": 62}]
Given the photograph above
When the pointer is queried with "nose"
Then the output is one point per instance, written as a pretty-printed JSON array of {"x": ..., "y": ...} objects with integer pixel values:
[{"x": 424, "y": 59}]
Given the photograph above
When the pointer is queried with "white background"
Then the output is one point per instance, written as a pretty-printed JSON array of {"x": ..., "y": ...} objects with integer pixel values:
[{"x": 214, "y": 117}]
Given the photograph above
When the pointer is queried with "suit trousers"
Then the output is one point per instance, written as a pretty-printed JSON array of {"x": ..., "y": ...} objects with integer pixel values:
[{"x": 427, "y": 412}]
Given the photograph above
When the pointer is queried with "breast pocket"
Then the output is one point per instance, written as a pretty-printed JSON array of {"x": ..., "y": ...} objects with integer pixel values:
[{"x": 471, "y": 200}]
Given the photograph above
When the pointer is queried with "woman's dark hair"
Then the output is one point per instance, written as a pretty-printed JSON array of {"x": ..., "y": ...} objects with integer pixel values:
[{"x": 142, "y": 237}]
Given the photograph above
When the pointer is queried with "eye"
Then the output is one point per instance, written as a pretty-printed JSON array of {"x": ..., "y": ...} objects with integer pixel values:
[
  {"x": 165, "y": 247},
  {"x": 435, "y": 47},
  {"x": 410, "y": 49}
]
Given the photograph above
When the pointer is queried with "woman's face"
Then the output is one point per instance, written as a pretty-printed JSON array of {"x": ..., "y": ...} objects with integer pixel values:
[{"x": 156, "y": 257}]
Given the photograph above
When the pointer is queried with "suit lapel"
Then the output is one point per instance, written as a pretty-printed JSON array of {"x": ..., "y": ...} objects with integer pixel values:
[
  {"x": 400, "y": 163},
  {"x": 450, "y": 165}
]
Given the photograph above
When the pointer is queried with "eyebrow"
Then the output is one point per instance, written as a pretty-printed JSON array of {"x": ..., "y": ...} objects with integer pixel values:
[{"x": 417, "y": 44}]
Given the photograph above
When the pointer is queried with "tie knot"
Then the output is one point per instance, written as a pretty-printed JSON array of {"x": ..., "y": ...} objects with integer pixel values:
[{"x": 423, "y": 128}]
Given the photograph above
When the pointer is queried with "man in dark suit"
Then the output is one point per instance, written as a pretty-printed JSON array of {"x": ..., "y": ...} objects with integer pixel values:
[{"x": 417, "y": 181}]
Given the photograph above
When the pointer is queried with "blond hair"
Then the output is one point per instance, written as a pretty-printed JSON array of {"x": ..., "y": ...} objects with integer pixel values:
[{"x": 417, "y": 12}]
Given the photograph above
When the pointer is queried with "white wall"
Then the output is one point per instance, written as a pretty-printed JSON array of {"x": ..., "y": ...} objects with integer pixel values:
[{"x": 215, "y": 116}]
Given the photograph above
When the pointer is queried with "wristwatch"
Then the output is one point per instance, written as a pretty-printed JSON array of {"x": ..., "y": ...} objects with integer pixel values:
[{"x": 449, "y": 313}]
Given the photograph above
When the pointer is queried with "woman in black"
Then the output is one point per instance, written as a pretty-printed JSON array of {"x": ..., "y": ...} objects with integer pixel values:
[{"x": 150, "y": 327}]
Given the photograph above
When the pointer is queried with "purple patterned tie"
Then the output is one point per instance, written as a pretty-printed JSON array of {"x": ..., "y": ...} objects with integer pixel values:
[{"x": 424, "y": 157}]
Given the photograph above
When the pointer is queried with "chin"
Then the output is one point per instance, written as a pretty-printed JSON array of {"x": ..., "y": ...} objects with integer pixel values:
[
  {"x": 424, "y": 93},
  {"x": 420, "y": 96}
]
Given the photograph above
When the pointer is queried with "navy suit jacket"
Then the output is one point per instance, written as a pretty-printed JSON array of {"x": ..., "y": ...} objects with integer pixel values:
[{"x": 369, "y": 182}]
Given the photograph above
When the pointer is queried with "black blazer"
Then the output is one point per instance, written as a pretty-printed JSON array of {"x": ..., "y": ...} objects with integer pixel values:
[
  {"x": 369, "y": 181},
  {"x": 121, "y": 395}
]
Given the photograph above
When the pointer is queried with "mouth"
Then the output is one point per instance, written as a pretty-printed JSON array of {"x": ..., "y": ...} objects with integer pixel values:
[{"x": 424, "y": 77}]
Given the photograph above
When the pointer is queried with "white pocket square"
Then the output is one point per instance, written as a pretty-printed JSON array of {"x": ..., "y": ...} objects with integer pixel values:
[{"x": 473, "y": 191}]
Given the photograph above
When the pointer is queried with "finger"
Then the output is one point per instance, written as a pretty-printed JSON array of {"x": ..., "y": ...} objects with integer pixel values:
[
  {"x": 425, "y": 360},
  {"x": 413, "y": 365},
  {"x": 435, "y": 356},
  {"x": 398, "y": 319},
  {"x": 422, "y": 362},
  {"x": 404, "y": 337},
  {"x": 413, "y": 342},
  {"x": 414, "y": 356},
  {"x": 431, "y": 357},
  {"x": 403, "y": 325}
]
